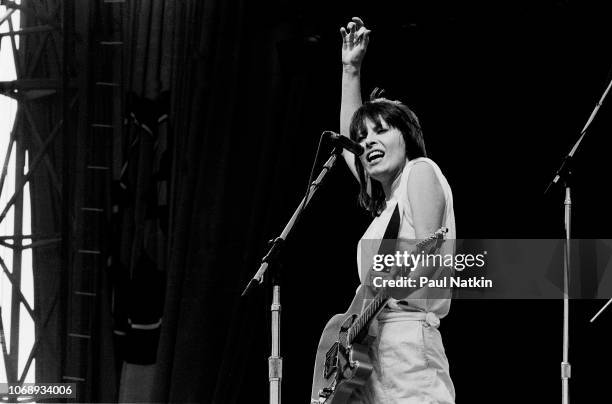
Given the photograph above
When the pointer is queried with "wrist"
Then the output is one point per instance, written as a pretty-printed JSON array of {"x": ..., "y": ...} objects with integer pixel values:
[{"x": 351, "y": 69}]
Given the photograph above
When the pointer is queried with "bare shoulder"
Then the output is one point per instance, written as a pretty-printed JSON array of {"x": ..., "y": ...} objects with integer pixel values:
[{"x": 423, "y": 177}]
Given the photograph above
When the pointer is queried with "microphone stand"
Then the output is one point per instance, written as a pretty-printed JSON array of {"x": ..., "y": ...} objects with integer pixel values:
[
  {"x": 564, "y": 172},
  {"x": 275, "y": 361}
]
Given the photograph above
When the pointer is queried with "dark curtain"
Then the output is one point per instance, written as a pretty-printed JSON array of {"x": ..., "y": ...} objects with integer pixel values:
[
  {"x": 229, "y": 126},
  {"x": 59, "y": 311},
  {"x": 140, "y": 194}
]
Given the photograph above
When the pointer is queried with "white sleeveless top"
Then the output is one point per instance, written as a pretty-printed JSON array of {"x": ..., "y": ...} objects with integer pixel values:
[{"x": 426, "y": 300}]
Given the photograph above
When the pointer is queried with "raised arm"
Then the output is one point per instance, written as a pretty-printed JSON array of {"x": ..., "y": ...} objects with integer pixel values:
[{"x": 355, "y": 38}]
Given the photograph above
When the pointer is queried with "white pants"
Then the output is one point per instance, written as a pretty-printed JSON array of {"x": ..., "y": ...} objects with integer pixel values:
[{"x": 410, "y": 366}]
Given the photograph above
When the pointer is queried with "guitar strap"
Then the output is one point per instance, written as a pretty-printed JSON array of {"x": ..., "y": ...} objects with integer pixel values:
[{"x": 387, "y": 246}]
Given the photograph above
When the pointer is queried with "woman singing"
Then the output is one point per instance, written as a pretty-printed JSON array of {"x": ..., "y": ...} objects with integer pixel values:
[{"x": 410, "y": 365}]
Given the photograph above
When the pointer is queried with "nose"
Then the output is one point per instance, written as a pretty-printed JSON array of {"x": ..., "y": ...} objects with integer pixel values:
[{"x": 369, "y": 140}]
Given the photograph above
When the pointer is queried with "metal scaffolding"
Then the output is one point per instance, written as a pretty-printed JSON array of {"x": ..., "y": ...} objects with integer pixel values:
[
  {"x": 69, "y": 76},
  {"x": 38, "y": 80}
]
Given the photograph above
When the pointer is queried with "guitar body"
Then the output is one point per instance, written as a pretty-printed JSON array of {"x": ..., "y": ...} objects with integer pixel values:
[{"x": 341, "y": 368}]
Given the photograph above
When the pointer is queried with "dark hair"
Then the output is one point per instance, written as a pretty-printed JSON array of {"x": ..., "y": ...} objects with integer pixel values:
[{"x": 397, "y": 116}]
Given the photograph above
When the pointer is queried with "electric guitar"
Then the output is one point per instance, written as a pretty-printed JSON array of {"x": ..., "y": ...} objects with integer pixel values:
[{"x": 342, "y": 363}]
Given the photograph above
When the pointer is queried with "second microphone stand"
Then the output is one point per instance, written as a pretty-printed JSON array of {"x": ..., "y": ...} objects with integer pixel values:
[{"x": 564, "y": 174}]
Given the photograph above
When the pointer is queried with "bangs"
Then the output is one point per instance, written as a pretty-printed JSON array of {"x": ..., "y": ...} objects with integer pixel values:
[{"x": 376, "y": 113}]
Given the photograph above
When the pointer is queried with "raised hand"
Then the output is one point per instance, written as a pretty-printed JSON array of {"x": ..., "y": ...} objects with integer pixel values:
[{"x": 355, "y": 38}]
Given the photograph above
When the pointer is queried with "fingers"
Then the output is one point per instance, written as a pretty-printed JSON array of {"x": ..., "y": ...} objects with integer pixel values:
[
  {"x": 351, "y": 29},
  {"x": 366, "y": 38},
  {"x": 355, "y": 33},
  {"x": 344, "y": 36},
  {"x": 358, "y": 21},
  {"x": 360, "y": 33}
]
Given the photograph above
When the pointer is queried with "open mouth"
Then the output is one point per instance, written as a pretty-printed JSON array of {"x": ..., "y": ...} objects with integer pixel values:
[{"x": 374, "y": 156}]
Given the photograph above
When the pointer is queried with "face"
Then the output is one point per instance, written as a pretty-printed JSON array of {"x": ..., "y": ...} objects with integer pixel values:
[{"x": 385, "y": 151}]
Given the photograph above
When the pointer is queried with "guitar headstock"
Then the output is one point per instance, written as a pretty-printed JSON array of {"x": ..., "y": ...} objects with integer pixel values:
[{"x": 436, "y": 238}]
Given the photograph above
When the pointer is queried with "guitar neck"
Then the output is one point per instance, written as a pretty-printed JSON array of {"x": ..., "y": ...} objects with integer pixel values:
[{"x": 371, "y": 311}]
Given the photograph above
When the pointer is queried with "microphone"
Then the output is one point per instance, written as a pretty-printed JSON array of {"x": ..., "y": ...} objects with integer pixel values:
[{"x": 344, "y": 142}]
